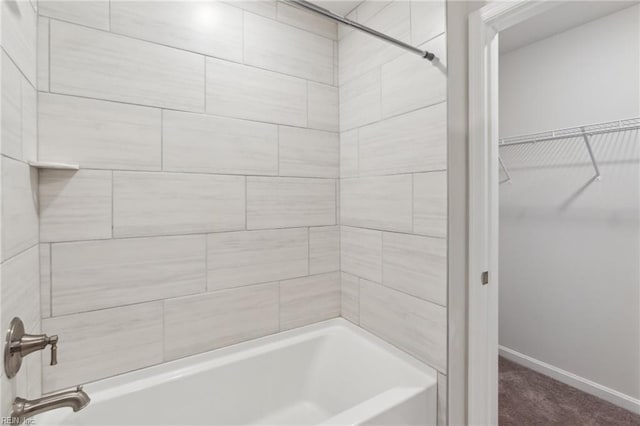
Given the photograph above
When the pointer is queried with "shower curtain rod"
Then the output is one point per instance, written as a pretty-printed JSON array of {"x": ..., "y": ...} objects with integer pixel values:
[{"x": 327, "y": 13}]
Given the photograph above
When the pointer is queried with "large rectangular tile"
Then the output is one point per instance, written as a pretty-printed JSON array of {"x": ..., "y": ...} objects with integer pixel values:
[
  {"x": 90, "y": 13},
  {"x": 19, "y": 29},
  {"x": 349, "y": 153},
  {"x": 92, "y": 275},
  {"x": 361, "y": 252},
  {"x": 414, "y": 142},
  {"x": 280, "y": 47},
  {"x": 442, "y": 400},
  {"x": 19, "y": 207},
  {"x": 290, "y": 202},
  {"x": 204, "y": 143},
  {"x": 323, "y": 107},
  {"x": 381, "y": 202},
  {"x": 92, "y": 344},
  {"x": 309, "y": 299},
  {"x": 103, "y": 65},
  {"x": 75, "y": 205},
  {"x": 99, "y": 134},
  {"x": 350, "y": 297},
  {"x": 308, "y": 153},
  {"x": 324, "y": 249},
  {"x": 428, "y": 19},
  {"x": 208, "y": 27},
  {"x": 11, "y": 120},
  {"x": 414, "y": 325},
  {"x": 241, "y": 91},
  {"x": 219, "y": 319},
  {"x": 430, "y": 204},
  {"x": 360, "y": 53},
  {"x": 240, "y": 258},
  {"x": 29, "y": 121},
  {"x": 308, "y": 21},
  {"x": 415, "y": 265},
  {"x": 147, "y": 203},
  {"x": 266, "y": 8},
  {"x": 360, "y": 101},
  {"x": 403, "y": 75}
]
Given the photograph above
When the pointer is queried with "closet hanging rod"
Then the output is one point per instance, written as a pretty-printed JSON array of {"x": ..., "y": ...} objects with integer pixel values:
[
  {"x": 328, "y": 14},
  {"x": 574, "y": 132}
]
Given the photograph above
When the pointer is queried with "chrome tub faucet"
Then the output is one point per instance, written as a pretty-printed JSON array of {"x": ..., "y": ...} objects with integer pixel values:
[{"x": 74, "y": 398}]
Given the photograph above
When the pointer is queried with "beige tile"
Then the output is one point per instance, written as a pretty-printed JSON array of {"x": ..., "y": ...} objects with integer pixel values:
[
  {"x": 219, "y": 319},
  {"x": 409, "y": 82},
  {"x": 43, "y": 54},
  {"x": 240, "y": 258},
  {"x": 360, "y": 53},
  {"x": 99, "y": 134},
  {"x": 428, "y": 19},
  {"x": 324, "y": 249},
  {"x": 204, "y": 143},
  {"x": 147, "y": 203},
  {"x": 11, "y": 132},
  {"x": 92, "y": 344},
  {"x": 283, "y": 48},
  {"x": 290, "y": 202},
  {"x": 415, "y": 265},
  {"x": 430, "y": 204},
  {"x": 308, "y": 153},
  {"x": 309, "y": 299},
  {"x": 103, "y": 65},
  {"x": 413, "y": 142},
  {"x": 381, "y": 202},
  {"x": 323, "y": 107},
  {"x": 360, "y": 101},
  {"x": 92, "y": 275},
  {"x": 308, "y": 21},
  {"x": 442, "y": 400},
  {"x": 75, "y": 205},
  {"x": 349, "y": 153},
  {"x": 350, "y": 297},
  {"x": 261, "y": 7},
  {"x": 45, "y": 280},
  {"x": 241, "y": 91},
  {"x": 361, "y": 252},
  {"x": 210, "y": 28},
  {"x": 414, "y": 325},
  {"x": 19, "y": 207},
  {"x": 19, "y": 35},
  {"x": 90, "y": 13}
]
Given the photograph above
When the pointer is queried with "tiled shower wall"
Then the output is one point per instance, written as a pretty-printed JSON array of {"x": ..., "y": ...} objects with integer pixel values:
[
  {"x": 204, "y": 210},
  {"x": 19, "y": 185},
  {"x": 393, "y": 181}
]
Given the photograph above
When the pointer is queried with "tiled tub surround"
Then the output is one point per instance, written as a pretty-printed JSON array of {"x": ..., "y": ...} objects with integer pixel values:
[
  {"x": 393, "y": 161},
  {"x": 19, "y": 251},
  {"x": 204, "y": 212},
  {"x": 231, "y": 190}
]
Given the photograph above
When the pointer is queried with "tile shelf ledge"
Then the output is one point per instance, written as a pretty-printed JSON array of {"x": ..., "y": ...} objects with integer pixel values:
[{"x": 54, "y": 165}]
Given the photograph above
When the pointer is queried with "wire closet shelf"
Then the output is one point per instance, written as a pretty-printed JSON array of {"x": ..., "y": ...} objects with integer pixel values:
[{"x": 584, "y": 132}]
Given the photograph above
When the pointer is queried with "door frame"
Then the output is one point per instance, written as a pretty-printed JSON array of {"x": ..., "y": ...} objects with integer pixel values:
[{"x": 485, "y": 25}]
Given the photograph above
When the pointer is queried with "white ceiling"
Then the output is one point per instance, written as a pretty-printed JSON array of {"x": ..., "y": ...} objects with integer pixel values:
[
  {"x": 562, "y": 18},
  {"x": 341, "y": 7}
]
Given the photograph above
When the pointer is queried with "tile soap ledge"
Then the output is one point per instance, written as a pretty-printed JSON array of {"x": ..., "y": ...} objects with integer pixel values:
[{"x": 54, "y": 165}]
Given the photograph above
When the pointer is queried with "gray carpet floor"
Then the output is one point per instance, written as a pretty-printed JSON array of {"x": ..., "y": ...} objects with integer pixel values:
[{"x": 530, "y": 398}]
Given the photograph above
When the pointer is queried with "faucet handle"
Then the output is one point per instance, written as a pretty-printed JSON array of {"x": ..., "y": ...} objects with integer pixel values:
[{"x": 53, "y": 341}]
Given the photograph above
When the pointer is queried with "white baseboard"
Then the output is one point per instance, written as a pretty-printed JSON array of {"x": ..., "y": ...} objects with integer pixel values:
[{"x": 608, "y": 394}]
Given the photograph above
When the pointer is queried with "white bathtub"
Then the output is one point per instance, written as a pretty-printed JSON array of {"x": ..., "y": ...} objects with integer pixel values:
[{"x": 330, "y": 373}]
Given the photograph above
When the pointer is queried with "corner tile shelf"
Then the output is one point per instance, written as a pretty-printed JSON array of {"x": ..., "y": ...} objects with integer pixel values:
[{"x": 52, "y": 165}]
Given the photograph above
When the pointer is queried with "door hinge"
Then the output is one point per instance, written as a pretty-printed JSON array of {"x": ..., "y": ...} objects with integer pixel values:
[{"x": 485, "y": 278}]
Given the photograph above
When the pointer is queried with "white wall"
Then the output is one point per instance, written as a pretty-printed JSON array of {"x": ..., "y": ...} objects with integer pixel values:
[{"x": 569, "y": 248}]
